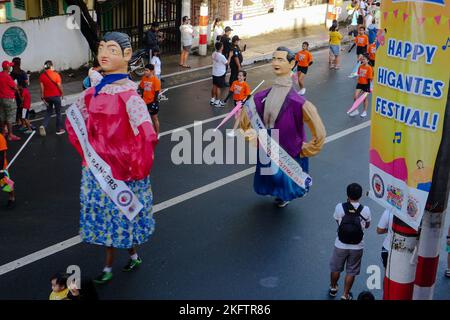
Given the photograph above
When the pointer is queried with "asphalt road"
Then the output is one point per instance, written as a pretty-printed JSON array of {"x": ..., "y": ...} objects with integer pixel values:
[{"x": 225, "y": 243}]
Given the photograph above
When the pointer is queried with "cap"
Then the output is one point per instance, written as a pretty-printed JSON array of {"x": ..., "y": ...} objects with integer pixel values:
[
  {"x": 228, "y": 29},
  {"x": 7, "y": 64},
  {"x": 235, "y": 38}
]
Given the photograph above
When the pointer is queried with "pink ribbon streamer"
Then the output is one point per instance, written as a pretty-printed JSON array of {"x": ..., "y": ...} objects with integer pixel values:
[{"x": 230, "y": 114}]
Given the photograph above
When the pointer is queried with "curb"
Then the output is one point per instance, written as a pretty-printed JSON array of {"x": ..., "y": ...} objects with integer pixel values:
[{"x": 70, "y": 99}]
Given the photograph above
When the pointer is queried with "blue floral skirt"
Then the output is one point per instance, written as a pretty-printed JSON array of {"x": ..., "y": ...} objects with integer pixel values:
[
  {"x": 102, "y": 223},
  {"x": 278, "y": 184}
]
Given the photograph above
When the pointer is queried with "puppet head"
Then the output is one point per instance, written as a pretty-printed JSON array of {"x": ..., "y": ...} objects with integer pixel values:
[
  {"x": 114, "y": 52},
  {"x": 283, "y": 61}
]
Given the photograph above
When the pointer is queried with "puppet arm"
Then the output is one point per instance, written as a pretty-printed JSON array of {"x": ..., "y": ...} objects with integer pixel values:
[
  {"x": 80, "y": 104},
  {"x": 312, "y": 119}
]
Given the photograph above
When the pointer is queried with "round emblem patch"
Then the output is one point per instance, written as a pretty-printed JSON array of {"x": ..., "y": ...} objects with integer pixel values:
[
  {"x": 377, "y": 186},
  {"x": 14, "y": 41},
  {"x": 124, "y": 198}
]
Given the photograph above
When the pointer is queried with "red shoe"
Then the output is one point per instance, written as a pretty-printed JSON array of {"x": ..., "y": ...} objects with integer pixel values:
[{"x": 13, "y": 138}]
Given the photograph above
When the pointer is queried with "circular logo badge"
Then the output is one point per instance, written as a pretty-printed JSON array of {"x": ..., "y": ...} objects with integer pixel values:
[
  {"x": 308, "y": 182},
  {"x": 124, "y": 198},
  {"x": 412, "y": 208},
  {"x": 377, "y": 186},
  {"x": 14, "y": 41}
]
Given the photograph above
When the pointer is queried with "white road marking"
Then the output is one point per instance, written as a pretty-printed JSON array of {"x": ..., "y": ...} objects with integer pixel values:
[{"x": 41, "y": 254}]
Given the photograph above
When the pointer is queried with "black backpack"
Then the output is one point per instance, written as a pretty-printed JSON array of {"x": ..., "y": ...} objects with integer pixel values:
[{"x": 350, "y": 230}]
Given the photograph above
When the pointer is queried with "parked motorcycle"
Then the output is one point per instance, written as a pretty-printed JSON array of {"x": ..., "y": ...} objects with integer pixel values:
[{"x": 137, "y": 62}]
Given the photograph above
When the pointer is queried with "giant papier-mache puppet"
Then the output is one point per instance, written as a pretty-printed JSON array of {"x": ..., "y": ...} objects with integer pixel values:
[
  {"x": 111, "y": 128},
  {"x": 282, "y": 108}
]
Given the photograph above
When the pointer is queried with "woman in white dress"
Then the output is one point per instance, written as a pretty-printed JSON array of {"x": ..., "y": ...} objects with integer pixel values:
[
  {"x": 187, "y": 35},
  {"x": 217, "y": 30}
]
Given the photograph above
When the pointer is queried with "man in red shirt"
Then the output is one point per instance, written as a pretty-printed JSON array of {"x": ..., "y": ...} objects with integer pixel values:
[
  {"x": 51, "y": 94},
  {"x": 8, "y": 90}
]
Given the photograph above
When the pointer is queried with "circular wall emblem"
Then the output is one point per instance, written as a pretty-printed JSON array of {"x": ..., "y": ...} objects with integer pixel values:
[
  {"x": 124, "y": 198},
  {"x": 377, "y": 186},
  {"x": 14, "y": 41}
]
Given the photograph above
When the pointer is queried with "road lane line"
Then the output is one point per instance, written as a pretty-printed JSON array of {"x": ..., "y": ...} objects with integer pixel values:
[{"x": 41, "y": 254}]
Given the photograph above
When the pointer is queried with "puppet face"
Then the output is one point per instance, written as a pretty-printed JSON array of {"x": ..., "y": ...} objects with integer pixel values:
[
  {"x": 281, "y": 66},
  {"x": 111, "y": 57}
]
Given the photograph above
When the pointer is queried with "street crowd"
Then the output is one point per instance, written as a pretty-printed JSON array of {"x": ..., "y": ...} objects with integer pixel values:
[{"x": 352, "y": 217}]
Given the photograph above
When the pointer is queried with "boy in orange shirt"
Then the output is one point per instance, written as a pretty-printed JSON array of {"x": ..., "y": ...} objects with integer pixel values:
[
  {"x": 371, "y": 50},
  {"x": 150, "y": 87},
  {"x": 365, "y": 75},
  {"x": 6, "y": 184},
  {"x": 361, "y": 41},
  {"x": 241, "y": 91},
  {"x": 304, "y": 59}
]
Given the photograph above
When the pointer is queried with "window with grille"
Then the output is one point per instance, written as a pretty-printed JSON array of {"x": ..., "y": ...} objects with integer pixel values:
[
  {"x": 50, "y": 8},
  {"x": 19, "y": 4}
]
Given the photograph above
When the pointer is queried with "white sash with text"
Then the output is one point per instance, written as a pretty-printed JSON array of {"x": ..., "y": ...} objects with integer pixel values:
[
  {"x": 117, "y": 190},
  {"x": 276, "y": 153}
]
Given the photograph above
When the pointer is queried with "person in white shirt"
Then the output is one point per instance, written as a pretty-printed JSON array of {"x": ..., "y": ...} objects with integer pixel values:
[
  {"x": 218, "y": 30},
  {"x": 219, "y": 71},
  {"x": 385, "y": 226},
  {"x": 156, "y": 62},
  {"x": 187, "y": 35},
  {"x": 352, "y": 219}
]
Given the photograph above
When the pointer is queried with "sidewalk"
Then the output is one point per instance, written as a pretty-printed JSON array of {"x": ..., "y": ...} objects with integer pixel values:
[{"x": 259, "y": 48}]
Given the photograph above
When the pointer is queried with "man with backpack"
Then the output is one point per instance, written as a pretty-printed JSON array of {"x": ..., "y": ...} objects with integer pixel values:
[{"x": 352, "y": 219}]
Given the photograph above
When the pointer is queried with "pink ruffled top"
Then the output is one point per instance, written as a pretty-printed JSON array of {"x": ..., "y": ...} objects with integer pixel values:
[{"x": 120, "y": 129}]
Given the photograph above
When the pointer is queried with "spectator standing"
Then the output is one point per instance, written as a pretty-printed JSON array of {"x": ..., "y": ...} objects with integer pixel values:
[
  {"x": 219, "y": 71},
  {"x": 8, "y": 107},
  {"x": 21, "y": 79},
  {"x": 150, "y": 87},
  {"x": 218, "y": 30},
  {"x": 25, "y": 98},
  {"x": 235, "y": 59},
  {"x": 52, "y": 95},
  {"x": 153, "y": 39},
  {"x": 156, "y": 62},
  {"x": 335, "y": 46},
  {"x": 187, "y": 35},
  {"x": 372, "y": 31},
  {"x": 385, "y": 227},
  {"x": 304, "y": 60},
  {"x": 352, "y": 218},
  {"x": 226, "y": 42}
]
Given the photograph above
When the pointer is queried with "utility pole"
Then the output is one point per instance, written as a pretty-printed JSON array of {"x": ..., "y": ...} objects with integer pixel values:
[
  {"x": 434, "y": 218},
  {"x": 401, "y": 268}
]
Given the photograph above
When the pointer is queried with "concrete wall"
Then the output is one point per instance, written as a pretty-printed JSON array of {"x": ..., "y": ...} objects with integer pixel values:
[
  {"x": 49, "y": 39},
  {"x": 278, "y": 21}
]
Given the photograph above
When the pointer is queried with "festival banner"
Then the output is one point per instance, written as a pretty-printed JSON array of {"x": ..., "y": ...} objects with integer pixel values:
[{"x": 411, "y": 81}]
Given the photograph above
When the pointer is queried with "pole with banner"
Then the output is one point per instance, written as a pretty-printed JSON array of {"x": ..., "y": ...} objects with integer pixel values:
[
  {"x": 434, "y": 219},
  {"x": 409, "y": 105}
]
